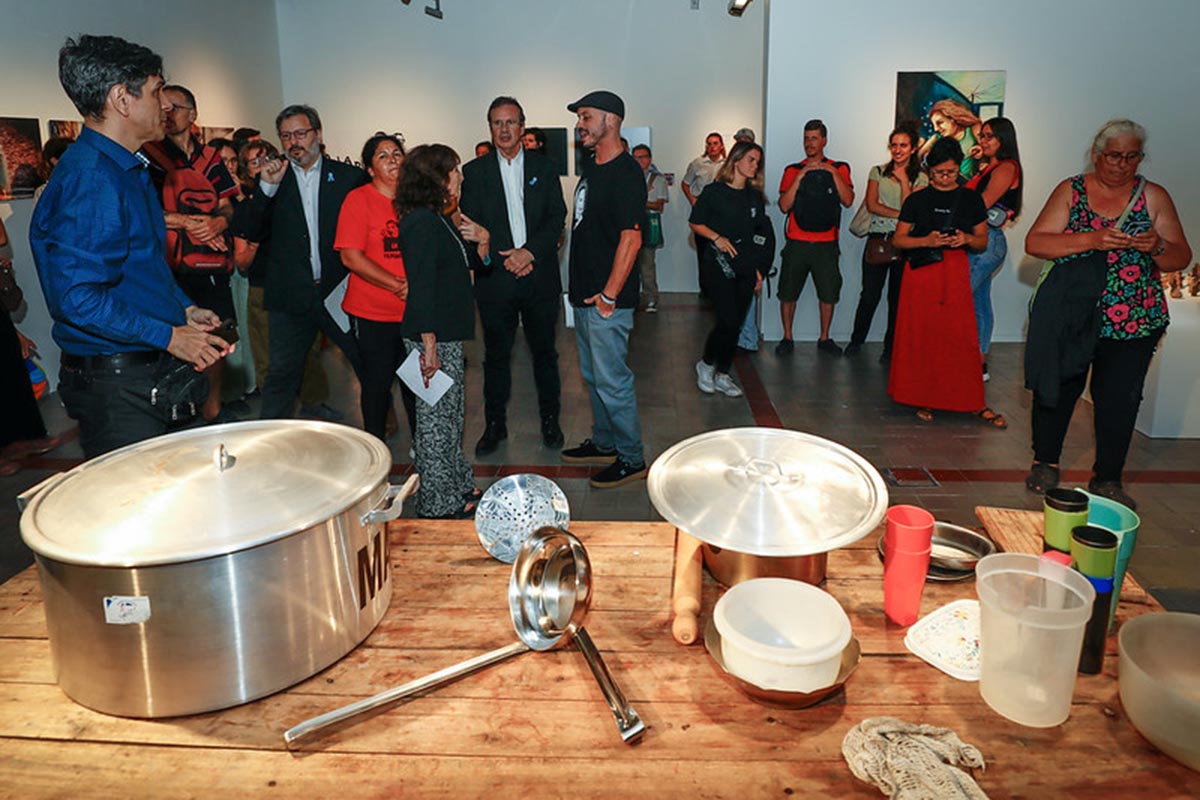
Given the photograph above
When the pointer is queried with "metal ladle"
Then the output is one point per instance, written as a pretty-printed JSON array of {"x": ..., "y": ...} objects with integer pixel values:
[{"x": 548, "y": 594}]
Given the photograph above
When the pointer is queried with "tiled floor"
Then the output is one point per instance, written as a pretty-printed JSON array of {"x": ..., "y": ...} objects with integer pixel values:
[{"x": 841, "y": 399}]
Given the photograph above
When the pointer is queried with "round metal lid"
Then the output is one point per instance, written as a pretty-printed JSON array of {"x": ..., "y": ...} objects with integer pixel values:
[
  {"x": 203, "y": 492},
  {"x": 768, "y": 492}
]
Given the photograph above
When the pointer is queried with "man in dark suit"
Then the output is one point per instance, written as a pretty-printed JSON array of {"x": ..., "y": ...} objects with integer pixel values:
[
  {"x": 516, "y": 196},
  {"x": 300, "y": 201}
]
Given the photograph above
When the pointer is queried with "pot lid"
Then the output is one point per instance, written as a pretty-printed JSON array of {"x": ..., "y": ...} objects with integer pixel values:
[
  {"x": 768, "y": 492},
  {"x": 203, "y": 492}
]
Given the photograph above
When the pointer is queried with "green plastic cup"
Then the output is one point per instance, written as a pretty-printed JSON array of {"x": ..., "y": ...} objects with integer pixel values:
[
  {"x": 1094, "y": 551},
  {"x": 1065, "y": 510}
]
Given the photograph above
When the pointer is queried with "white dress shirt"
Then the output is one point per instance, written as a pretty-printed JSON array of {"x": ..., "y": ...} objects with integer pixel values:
[
  {"x": 309, "y": 183},
  {"x": 512, "y": 175}
]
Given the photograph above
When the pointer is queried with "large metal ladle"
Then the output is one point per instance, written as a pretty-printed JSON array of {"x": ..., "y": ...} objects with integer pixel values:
[{"x": 548, "y": 595}]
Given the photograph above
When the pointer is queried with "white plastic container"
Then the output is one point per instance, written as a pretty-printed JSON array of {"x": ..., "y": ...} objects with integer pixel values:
[
  {"x": 782, "y": 634},
  {"x": 1032, "y": 616}
]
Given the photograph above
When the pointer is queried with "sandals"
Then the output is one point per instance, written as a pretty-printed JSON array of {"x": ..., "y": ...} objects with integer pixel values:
[
  {"x": 925, "y": 415},
  {"x": 989, "y": 417}
]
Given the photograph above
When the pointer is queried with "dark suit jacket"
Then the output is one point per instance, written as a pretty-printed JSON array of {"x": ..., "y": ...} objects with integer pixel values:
[
  {"x": 289, "y": 285},
  {"x": 545, "y": 213}
]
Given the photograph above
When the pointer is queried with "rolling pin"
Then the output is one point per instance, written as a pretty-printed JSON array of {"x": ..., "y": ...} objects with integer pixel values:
[{"x": 685, "y": 594}]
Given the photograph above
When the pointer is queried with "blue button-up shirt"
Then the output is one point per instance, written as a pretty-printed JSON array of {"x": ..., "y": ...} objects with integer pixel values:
[{"x": 98, "y": 241}]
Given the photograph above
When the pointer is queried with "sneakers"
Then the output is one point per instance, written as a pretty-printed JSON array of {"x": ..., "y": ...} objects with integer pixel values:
[
  {"x": 618, "y": 473},
  {"x": 493, "y": 435},
  {"x": 852, "y": 349},
  {"x": 1113, "y": 491},
  {"x": 704, "y": 377},
  {"x": 987, "y": 376},
  {"x": 785, "y": 347},
  {"x": 587, "y": 453},
  {"x": 829, "y": 347},
  {"x": 1041, "y": 478},
  {"x": 651, "y": 308},
  {"x": 725, "y": 385},
  {"x": 552, "y": 435}
]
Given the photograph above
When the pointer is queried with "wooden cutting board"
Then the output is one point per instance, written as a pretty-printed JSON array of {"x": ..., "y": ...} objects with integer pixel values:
[{"x": 1015, "y": 530}]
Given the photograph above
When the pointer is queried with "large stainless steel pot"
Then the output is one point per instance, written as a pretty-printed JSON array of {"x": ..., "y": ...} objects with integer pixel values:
[
  {"x": 206, "y": 568},
  {"x": 767, "y": 502}
]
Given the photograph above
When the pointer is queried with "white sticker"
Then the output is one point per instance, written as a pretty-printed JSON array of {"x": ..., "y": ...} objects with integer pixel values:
[{"x": 119, "y": 610}]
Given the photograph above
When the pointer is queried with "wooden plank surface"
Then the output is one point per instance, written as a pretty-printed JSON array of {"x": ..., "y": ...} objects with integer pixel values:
[{"x": 537, "y": 723}]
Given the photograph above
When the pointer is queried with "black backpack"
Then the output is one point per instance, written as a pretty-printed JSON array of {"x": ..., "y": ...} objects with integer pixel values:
[{"x": 817, "y": 207}]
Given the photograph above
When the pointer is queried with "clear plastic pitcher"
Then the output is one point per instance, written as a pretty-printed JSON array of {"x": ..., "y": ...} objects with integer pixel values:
[{"x": 1032, "y": 616}]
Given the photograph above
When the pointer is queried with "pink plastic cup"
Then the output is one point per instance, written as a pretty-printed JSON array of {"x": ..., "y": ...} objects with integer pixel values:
[{"x": 906, "y": 548}]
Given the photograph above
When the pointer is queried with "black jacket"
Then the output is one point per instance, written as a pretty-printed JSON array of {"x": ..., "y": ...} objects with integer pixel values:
[{"x": 439, "y": 279}]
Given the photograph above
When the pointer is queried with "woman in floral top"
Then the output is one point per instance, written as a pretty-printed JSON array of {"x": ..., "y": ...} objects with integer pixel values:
[{"x": 1079, "y": 219}]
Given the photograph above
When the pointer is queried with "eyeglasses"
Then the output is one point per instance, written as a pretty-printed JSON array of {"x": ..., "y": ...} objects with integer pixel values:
[
  {"x": 297, "y": 135},
  {"x": 1117, "y": 159},
  {"x": 943, "y": 173},
  {"x": 175, "y": 108}
]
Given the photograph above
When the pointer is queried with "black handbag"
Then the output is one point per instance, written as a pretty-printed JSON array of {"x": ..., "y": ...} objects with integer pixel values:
[{"x": 880, "y": 250}]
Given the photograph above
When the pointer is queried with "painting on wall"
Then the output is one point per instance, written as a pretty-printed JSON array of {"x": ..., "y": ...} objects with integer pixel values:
[
  {"x": 20, "y": 155},
  {"x": 210, "y": 132},
  {"x": 950, "y": 103},
  {"x": 556, "y": 147},
  {"x": 64, "y": 128}
]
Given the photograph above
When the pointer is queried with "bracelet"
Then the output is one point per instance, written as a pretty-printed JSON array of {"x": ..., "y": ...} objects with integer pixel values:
[
  {"x": 1158, "y": 251},
  {"x": 607, "y": 299}
]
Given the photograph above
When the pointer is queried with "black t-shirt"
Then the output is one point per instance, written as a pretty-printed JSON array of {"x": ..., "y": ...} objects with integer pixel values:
[
  {"x": 930, "y": 210},
  {"x": 609, "y": 199},
  {"x": 738, "y": 215},
  {"x": 247, "y": 224}
]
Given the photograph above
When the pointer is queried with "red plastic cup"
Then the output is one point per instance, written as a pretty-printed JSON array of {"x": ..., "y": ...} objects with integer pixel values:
[{"x": 907, "y": 545}]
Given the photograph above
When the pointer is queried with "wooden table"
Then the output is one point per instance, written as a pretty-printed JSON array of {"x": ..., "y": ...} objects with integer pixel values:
[{"x": 537, "y": 726}]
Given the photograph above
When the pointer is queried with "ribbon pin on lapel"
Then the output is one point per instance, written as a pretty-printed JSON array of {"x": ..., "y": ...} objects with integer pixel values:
[
  {"x": 329, "y": 178},
  {"x": 533, "y": 180}
]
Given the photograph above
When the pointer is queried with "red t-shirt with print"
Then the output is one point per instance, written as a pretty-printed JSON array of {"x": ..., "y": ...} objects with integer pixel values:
[
  {"x": 793, "y": 230},
  {"x": 368, "y": 223}
]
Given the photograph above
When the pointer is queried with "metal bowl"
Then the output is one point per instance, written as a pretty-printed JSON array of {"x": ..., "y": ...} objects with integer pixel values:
[
  {"x": 513, "y": 508},
  {"x": 955, "y": 550}
]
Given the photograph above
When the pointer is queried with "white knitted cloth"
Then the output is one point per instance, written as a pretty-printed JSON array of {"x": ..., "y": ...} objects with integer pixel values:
[{"x": 912, "y": 762}]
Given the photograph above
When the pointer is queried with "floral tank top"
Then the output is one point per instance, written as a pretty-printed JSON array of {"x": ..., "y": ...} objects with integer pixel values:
[{"x": 1132, "y": 304}]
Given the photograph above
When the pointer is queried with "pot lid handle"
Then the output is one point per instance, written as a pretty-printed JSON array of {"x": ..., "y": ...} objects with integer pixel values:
[{"x": 222, "y": 458}]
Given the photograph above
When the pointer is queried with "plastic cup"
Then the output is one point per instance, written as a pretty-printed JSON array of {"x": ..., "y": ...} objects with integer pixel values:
[
  {"x": 1032, "y": 617},
  {"x": 1118, "y": 518},
  {"x": 1065, "y": 510},
  {"x": 906, "y": 548},
  {"x": 1094, "y": 551}
]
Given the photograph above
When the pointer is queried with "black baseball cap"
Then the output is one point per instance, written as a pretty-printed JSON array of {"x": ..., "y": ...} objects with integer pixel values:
[{"x": 602, "y": 100}]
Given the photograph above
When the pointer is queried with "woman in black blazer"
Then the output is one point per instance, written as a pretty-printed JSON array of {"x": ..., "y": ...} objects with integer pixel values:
[{"x": 440, "y": 316}]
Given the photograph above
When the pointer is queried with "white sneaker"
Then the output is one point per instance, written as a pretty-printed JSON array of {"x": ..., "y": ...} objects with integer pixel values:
[
  {"x": 651, "y": 308},
  {"x": 704, "y": 377},
  {"x": 725, "y": 385}
]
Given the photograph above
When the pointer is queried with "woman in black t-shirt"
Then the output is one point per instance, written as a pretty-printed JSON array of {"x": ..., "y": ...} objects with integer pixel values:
[
  {"x": 738, "y": 242},
  {"x": 935, "y": 359}
]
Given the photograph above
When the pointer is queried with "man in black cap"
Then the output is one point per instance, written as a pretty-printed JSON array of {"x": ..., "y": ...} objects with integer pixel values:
[{"x": 610, "y": 203}]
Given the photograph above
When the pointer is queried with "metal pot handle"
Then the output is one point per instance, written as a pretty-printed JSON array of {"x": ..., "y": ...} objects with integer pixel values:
[
  {"x": 392, "y": 503},
  {"x": 26, "y": 497}
]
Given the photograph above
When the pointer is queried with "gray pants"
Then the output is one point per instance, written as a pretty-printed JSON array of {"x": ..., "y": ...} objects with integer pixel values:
[{"x": 645, "y": 260}]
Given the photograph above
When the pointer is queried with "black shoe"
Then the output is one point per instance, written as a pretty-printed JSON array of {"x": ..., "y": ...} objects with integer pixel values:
[
  {"x": 493, "y": 435},
  {"x": 618, "y": 473},
  {"x": 1041, "y": 478},
  {"x": 829, "y": 347},
  {"x": 785, "y": 347},
  {"x": 552, "y": 435},
  {"x": 852, "y": 349},
  {"x": 588, "y": 453},
  {"x": 1113, "y": 491}
]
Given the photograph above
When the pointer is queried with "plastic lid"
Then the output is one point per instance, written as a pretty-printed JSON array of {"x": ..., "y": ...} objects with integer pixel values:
[
  {"x": 782, "y": 621},
  {"x": 767, "y": 491},
  {"x": 203, "y": 492}
]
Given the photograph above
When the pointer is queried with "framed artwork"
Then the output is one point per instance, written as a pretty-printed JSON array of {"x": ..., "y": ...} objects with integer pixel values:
[
  {"x": 950, "y": 103},
  {"x": 208, "y": 133},
  {"x": 20, "y": 157},
  {"x": 556, "y": 147},
  {"x": 67, "y": 129}
]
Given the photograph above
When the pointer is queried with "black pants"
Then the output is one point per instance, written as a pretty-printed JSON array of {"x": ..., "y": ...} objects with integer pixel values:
[
  {"x": 500, "y": 315},
  {"x": 381, "y": 348},
  {"x": 20, "y": 419},
  {"x": 874, "y": 276},
  {"x": 290, "y": 338},
  {"x": 1118, "y": 374},
  {"x": 730, "y": 300}
]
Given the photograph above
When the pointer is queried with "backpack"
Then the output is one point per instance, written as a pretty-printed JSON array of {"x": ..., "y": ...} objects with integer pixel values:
[
  {"x": 186, "y": 190},
  {"x": 818, "y": 207}
]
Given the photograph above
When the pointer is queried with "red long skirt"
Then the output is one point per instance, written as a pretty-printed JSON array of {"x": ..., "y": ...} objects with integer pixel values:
[{"x": 935, "y": 358}]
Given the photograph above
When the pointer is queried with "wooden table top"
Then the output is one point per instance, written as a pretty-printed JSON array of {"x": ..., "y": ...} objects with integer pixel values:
[{"x": 537, "y": 724}]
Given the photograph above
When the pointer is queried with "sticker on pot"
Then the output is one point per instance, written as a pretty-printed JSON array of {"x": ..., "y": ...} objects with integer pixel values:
[{"x": 120, "y": 610}]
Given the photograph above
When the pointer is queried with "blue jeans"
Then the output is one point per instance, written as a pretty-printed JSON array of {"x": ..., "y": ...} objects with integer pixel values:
[
  {"x": 983, "y": 268},
  {"x": 603, "y": 350},
  {"x": 748, "y": 336}
]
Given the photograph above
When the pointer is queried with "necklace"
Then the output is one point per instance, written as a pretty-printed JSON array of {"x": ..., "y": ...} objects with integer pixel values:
[{"x": 458, "y": 241}]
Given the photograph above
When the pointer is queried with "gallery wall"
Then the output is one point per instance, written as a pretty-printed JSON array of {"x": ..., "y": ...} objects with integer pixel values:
[
  {"x": 226, "y": 51},
  {"x": 1071, "y": 64}
]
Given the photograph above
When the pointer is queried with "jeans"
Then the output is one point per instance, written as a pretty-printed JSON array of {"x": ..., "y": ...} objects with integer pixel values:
[
  {"x": 983, "y": 268},
  {"x": 603, "y": 350},
  {"x": 748, "y": 335}
]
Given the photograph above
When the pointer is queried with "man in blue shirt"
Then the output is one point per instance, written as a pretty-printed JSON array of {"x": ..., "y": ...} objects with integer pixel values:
[{"x": 98, "y": 241}]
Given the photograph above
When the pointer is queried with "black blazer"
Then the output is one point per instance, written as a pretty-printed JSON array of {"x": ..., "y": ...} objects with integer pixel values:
[
  {"x": 288, "y": 285},
  {"x": 545, "y": 213},
  {"x": 439, "y": 278}
]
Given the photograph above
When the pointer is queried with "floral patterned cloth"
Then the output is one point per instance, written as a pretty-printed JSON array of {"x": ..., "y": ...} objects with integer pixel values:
[{"x": 1133, "y": 304}]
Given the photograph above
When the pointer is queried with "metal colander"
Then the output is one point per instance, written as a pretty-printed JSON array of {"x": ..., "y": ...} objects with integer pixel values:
[{"x": 513, "y": 508}]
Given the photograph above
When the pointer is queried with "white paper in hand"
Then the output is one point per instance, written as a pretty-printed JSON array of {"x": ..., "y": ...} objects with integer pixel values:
[
  {"x": 333, "y": 304},
  {"x": 410, "y": 373},
  {"x": 568, "y": 312}
]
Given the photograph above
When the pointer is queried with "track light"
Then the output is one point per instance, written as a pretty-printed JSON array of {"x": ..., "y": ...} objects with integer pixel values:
[{"x": 737, "y": 7}]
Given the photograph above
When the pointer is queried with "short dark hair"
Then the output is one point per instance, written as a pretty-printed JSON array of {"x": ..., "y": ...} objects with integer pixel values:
[
  {"x": 183, "y": 90},
  {"x": 539, "y": 136},
  {"x": 53, "y": 150},
  {"x": 90, "y": 66},
  {"x": 372, "y": 144},
  {"x": 505, "y": 100},
  {"x": 945, "y": 149},
  {"x": 423, "y": 180},
  {"x": 220, "y": 142},
  {"x": 243, "y": 135},
  {"x": 816, "y": 125},
  {"x": 295, "y": 110},
  {"x": 645, "y": 147},
  {"x": 486, "y": 145}
]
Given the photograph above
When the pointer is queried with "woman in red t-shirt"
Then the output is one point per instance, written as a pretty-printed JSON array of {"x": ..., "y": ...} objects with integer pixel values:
[{"x": 368, "y": 239}]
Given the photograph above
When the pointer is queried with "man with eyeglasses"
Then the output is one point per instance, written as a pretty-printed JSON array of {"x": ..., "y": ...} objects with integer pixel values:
[
  {"x": 300, "y": 198},
  {"x": 516, "y": 197}
]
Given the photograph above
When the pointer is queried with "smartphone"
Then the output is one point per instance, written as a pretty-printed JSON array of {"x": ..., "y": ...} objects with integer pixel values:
[{"x": 227, "y": 330}]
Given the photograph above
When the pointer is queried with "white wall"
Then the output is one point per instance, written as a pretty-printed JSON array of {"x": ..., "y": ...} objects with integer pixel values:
[
  {"x": 232, "y": 67},
  {"x": 378, "y": 65},
  {"x": 1072, "y": 64}
]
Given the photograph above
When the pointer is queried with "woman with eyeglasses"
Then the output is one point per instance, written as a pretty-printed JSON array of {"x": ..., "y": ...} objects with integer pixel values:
[
  {"x": 999, "y": 184},
  {"x": 439, "y": 317},
  {"x": 250, "y": 250},
  {"x": 935, "y": 361},
  {"x": 1111, "y": 234},
  {"x": 368, "y": 239},
  {"x": 952, "y": 120}
]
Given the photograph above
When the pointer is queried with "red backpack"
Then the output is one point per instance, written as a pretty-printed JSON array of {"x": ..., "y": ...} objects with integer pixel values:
[{"x": 186, "y": 190}]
